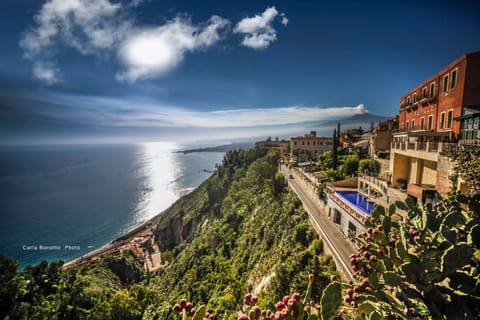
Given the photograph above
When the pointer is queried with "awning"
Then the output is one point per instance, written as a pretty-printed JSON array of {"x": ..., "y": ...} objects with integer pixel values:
[
  {"x": 361, "y": 144},
  {"x": 475, "y": 113},
  {"x": 468, "y": 116}
]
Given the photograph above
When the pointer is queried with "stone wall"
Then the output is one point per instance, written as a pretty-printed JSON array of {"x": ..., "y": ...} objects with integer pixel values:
[{"x": 444, "y": 171}]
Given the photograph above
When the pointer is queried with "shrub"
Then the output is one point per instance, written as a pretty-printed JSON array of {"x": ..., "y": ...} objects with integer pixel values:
[{"x": 370, "y": 166}]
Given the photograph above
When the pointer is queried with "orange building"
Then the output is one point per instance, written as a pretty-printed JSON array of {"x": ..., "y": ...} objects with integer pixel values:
[
  {"x": 433, "y": 105},
  {"x": 432, "y": 116},
  {"x": 308, "y": 146},
  {"x": 283, "y": 146}
]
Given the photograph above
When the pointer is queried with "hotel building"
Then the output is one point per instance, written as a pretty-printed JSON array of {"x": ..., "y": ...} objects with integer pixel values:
[
  {"x": 430, "y": 119},
  {"x": 283, "y": 146},
  {"x": 309, "y": 146}
]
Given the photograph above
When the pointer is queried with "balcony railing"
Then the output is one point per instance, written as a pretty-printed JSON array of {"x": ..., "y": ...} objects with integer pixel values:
[
  {"x": 423, "y": 100},
  {"x": 412, "y": 128},
  {"x": 423, "y": 146},
  {"x": 381, "y": 184}
]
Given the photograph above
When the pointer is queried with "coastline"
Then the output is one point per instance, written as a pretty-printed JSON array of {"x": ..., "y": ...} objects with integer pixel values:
[{"x": 113, "y": 246}]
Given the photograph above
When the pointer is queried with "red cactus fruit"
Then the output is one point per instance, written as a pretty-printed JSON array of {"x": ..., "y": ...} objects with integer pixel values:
[
  {"x": 183, "y": 303},
  {"x": 177, "y": 308},
  {"x": 296, "y": 296},
  {"x": 280, "y": 306}
]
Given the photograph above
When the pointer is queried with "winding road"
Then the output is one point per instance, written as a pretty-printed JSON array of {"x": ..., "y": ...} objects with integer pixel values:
[{"x": 338, "y": 245}]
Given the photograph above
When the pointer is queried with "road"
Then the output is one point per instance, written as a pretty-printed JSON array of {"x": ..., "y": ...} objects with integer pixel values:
[{"x": 338, "y": 245}]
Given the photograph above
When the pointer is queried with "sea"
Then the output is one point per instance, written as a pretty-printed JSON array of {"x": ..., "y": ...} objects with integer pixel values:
[{"x": 61, "y": 202}]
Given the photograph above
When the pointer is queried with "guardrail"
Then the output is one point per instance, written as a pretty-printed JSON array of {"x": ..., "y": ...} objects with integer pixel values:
[
  {"x": 423, "y": 146},
  {"x": 380, "y": 184}
]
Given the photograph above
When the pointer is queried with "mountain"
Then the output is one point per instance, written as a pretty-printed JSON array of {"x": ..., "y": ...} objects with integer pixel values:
[{"x": 364, "y": 120}]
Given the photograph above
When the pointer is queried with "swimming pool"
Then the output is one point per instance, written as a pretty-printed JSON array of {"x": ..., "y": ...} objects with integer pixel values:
[{"x": 357, "y": 201}]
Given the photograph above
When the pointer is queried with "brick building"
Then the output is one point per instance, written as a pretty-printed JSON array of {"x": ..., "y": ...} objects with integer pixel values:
[
  {"x": 433, "y": 105},
  {"x": 309, "y": 146},
  {"x": 283, "y": 146},
  {"x": 430, "y": 118}
]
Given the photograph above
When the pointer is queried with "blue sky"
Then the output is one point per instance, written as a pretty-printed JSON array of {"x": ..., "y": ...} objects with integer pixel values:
[{"x": 112, "y": 70}]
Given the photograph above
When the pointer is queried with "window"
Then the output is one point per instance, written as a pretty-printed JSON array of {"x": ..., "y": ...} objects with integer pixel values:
[
  {"x": 413, "y": 124},
  {"x": 414, "y": 97},
  {"x": 352, "y": 229},
  {"x": 432, "y": 89},
  {"x": 442, "y": 120},
  {"x": 308, "y": 143},
  {"x": 294, "y": 143},
  {"x": 422, "y": 123},
  {"x": 406, "y": 125},
  {"x": 408, "y": 100},
  {"x": 303, "y": 143},
  {"x": 424, "y": 93},
  {"x": 445, "y": 83},
  {"x": 430, "y": 122},
  {"x": 453, "y": 81},
  {"x": 449, "y": 118}
]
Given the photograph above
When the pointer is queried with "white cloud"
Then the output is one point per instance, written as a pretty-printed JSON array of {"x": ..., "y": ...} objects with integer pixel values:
[
  {"x": 135, "y": 3},
  {"x": 85, "y": 25},
  {"x": 101, "y": 27},
  {"x": 258, "y": 30},
  {"x": 45, "y": 72},
  {"x": 261, "y": 116},
  {"x": 155, "y": 51},
  {"x": 152, "y": 114}
]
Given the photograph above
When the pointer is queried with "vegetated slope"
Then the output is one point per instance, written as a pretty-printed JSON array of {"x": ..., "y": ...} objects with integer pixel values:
[
  {"x": 240, "y": 231},
  {"x": 255, "y": 238}
]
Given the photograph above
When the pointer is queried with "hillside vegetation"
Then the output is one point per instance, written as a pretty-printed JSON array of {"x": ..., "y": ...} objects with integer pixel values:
[
  {"x": 243, "y": 232},
  {"x": 240, "y": 231}
]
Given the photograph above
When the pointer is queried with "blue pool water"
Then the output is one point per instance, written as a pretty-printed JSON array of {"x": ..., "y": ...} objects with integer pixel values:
[{"x": 357, "y": 201}]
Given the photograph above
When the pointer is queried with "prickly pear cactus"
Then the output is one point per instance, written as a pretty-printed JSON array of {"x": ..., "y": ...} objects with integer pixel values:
[{"x": 427, "y": 267}]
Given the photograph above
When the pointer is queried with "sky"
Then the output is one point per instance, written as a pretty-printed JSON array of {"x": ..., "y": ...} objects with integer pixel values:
[{"x": 74, "y": 71}]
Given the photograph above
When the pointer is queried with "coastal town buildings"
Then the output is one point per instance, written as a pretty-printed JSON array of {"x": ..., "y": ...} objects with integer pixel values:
[
  {"x": 309, "y": 146},
  {"x": 432, "y": 116},
  {"x": 382, "y": 136},
  {"x": 283, "y": 146}
]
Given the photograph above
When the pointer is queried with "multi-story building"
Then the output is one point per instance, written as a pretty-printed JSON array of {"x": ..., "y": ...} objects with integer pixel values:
[
  {"x": 309, "y": 146},
  {"x": 283, "y": 146},
  {"x": 470, "y": 125},
  {"x": 382, "y": 136},
  {"x": 427, "y": 124}
]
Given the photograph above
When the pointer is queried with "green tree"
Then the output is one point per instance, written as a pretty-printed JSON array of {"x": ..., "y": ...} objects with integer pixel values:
[
  {"x": 131, "y": 303},
  {"x": 350, "y": 165},
  {"x": 369, "y": 166}
]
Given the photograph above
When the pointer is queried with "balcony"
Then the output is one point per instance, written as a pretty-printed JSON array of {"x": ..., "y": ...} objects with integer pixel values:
[
  {"x": 410, "y": 129},
  {"x": 427, "y": 100},
  {"x": 423, "y": 101},
  {"x": 405, "y": 105},
  {"x": 423, "y": 150}
]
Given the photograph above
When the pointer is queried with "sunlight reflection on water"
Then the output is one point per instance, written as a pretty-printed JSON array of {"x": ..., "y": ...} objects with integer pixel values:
[{"x": 160, "y": 171}]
